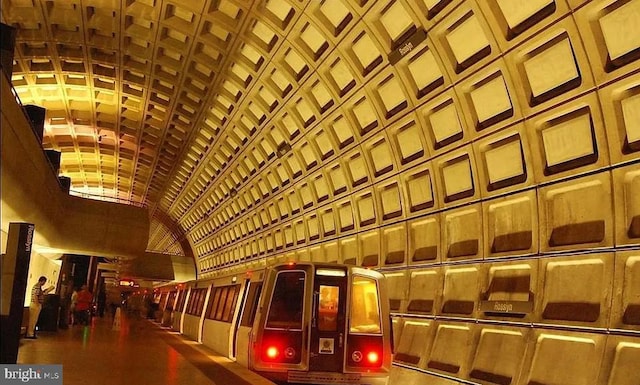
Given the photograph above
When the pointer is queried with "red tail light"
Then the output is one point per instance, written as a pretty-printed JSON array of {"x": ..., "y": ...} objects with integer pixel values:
[
  {"x": 281, "y": 346},
  {"x": 272, "y": 352},
  {"x": 366, "y": 358},
  {"x": 365, "y": 351}
]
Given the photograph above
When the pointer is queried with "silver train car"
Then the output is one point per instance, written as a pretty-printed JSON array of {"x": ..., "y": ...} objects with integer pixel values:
[{"x": 308, "y": 323}]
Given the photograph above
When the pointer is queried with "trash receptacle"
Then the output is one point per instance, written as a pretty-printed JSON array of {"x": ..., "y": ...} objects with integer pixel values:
[{"x": 49, "y": 315}]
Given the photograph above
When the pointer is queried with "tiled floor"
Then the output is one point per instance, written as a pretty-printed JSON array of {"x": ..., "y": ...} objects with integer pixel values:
[{"x": 138, "y": 352}]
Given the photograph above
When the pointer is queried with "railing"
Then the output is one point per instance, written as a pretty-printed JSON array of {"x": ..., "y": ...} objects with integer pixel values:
[
  {"x": 33, "y": 130},
  {"x": 51, "y": 166},
  {"x": 87, "y": 195}
]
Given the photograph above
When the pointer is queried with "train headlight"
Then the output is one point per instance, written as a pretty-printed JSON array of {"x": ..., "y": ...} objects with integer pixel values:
[
  {"x": 289, "y": 353},
  {"x": 272, "y": 352},
  {"x": 356, "y": 356}
]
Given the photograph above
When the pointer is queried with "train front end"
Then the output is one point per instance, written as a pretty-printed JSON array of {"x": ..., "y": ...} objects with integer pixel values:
[{"x": 323, "y": 324}]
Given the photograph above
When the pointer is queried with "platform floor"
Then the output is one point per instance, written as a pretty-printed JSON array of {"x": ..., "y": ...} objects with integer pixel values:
[{"x": 138, "y": 352}]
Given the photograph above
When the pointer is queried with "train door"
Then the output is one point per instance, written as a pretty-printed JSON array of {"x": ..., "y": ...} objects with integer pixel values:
[
  {"x": 244, "y": 334},
  {"x": 326, "y": 351},
  {"x": 236, "y": 327},
  {"x": 368, "y": 342},
  {"x": 280, "y": 340}
]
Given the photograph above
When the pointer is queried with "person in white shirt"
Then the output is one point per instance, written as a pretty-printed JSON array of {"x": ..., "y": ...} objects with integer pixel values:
[
  {"x": 74, "y": 301},
  {"x": 37, "y": 299}
]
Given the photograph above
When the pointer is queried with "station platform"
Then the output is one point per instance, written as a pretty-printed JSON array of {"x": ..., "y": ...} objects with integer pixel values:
[{"x": 139, "y": 351}]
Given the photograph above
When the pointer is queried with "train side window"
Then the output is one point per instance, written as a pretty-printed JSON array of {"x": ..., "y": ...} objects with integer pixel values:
[
  {"x": 230, "y": 304},
  {"x": 164, "y": 300},
  {"x": 171, "y": 300},
  {"x": 223, "y": 299},
  {"x": 192, "y": 299},
  {"x": 161, "y": 300},
  {"x": 365, "y": 306},
  {"x": 181, "y": 297},
  {"x": 188, "y": 303},
  {"x": 328, "y": 308},
  {"x": 196, "y": 302},
  {"x": 180, "y": 300},
  {"x": 215, "y": 299},
  {"x": 285, "y": 311},
  {"x": 251, "y": 305},
  {"x": 201, "y": 298}
]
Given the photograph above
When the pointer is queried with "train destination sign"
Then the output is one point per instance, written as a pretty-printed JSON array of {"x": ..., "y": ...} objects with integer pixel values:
[
  {"x": 511, "y": 307},
  {"x": 407, "y": 46}
]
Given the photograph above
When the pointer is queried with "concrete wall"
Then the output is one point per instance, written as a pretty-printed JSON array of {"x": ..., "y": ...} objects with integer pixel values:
[
  {"x": 64, "y": 223},
  {"x": 42, "y": 266},
  {"x": 492, "y": 173}
]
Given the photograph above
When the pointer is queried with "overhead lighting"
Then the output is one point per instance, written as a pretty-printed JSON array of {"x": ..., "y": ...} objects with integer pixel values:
[{"x": 127, "y": 282}]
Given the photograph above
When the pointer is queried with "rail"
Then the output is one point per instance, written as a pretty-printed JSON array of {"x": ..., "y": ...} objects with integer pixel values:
[
  {"x": 52, "y": 167},
  {"x": 87, "y": 195},
  {"x": 33, "y": 130}
]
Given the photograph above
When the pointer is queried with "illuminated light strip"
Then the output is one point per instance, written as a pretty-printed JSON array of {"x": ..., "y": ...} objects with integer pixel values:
[{"x": 331, "y": 273}]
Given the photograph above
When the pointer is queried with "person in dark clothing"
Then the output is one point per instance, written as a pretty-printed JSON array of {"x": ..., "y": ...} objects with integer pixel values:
[
  {"x": 149, "y": 306},
  {"x": 102, "y": 302}
]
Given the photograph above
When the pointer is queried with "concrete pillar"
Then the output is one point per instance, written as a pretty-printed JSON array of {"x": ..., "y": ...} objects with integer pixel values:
[
  {"x": 7, "y": 46},
  {"x": 65, "y": 288},
  {"x": 15, "y": 268}
]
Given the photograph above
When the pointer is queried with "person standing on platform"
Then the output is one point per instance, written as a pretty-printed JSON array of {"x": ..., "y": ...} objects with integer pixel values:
[
  {"x": 37, "y": 299},
  {"x": 85, "y": 298},
  {"x": 72, "y": 308},
  {"x": 102, "y": 301}
]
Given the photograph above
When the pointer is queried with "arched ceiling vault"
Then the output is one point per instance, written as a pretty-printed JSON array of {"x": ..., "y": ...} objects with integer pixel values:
[{"x": 258, "y": 126}]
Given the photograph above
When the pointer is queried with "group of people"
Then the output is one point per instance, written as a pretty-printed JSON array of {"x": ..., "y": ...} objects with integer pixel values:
[{"x": 79, "y": 309}]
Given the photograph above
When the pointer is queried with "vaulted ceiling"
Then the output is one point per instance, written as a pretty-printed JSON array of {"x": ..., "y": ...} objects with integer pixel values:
[
  {"x": 252, "y": 127},
  {"x": 139, "y": 92}
]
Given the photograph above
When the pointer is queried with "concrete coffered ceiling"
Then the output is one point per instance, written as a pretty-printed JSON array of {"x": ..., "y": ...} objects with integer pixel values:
[
  {"x": 477, "y": 152},
  {"x": 255, "y": 128},
  {"x": 137, "y": 91}
]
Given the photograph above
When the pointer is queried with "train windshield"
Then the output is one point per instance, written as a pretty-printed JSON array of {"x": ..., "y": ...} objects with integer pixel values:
[
  {"x": 365, "y": 309},
  {"x": 287, "y": 301}
]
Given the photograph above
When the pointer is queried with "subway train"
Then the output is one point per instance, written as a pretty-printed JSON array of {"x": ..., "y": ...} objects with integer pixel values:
[{"x": 303, "y": 322}]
